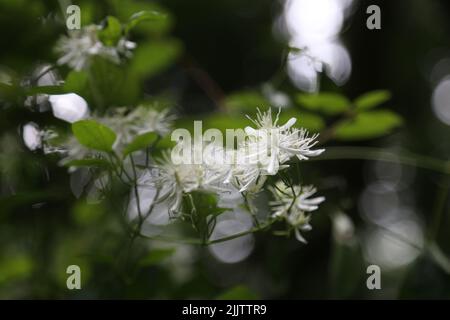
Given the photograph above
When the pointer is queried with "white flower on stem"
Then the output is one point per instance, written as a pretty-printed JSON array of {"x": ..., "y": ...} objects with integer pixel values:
[
  {"x": 294, "y": 203},
  {"x": 280, "y": 142},
  {"x": 173, "y": 178},
  {"x": 77, "y": 49},
  {"x": 268, "y": 148},
  {"x": 248, "y": 175},
  {"x": 172, "y": 181}
]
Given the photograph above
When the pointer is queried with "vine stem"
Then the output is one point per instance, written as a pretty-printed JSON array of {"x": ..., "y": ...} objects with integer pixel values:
[
  {"x": 238, "y": 235},
  {"x": 377, "y": 154},
  {"x": 209, "y": 242}
]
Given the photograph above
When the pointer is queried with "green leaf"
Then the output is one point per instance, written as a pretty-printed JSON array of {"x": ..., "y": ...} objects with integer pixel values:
[
  {"x": 45, "y": 90},
  {"x": 368, "y": 125},
  {"x": 15, "y": 267},
  {"x": 205, "y": 211},
  {"x": 239, "y": 292},
  {"x": 85, "y": 213},
  {"x": 94, "y": 162},
  {"x": 10, "y": 92},
  {"x": 307, "y": 120},
  {"x": 156, "y": 256},
  {"x": 223, "y": 122},
  {"x": 151, "y": 27},
  {"x": 76, "y": 81},
  {"x": 206, "y": 204},
  {"x": 140, "y": 142},
  {"x": 372, "y": 99},
  {"x": 327, "y": 103},
  {"x": 246, "y": 101},
  {"x": 111, "y": 33},
  {"x": 152, "y": 58},
  {"x": 142, "y": 16},
  {"x": 94, "y": 135},
  {"x": 111, "y": 84}
]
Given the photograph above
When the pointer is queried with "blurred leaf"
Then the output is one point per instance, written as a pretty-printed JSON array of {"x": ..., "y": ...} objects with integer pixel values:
[
  {"x": 372, "y": 99},
  {"x": 9, "y": 92},
  {"x": 152, "y": 58},
  {"x": 142, "y": 16},
  {"x": 307, "y": 120},
  {"x": 76, "y": 81},
  {"x": 94, "y": 135},
  {"x": 156, "y": 256},
  {"x": 111, "y": 84},
  {"x": 15, "y": 267},
  {"x": 328, "y": 103},
  {"x": 206, "y": 204},
  {"x": 140, "y": 142},
  {"x": 71, "y": 250},
  {"x": 204, "y": 212},
  {"x": 238, "y": 293},
  {"x": 126, "y": 9},
  {"x": 225, "y": 121},
  {"x": 368, "y": 125},
  {"x": 85, "y": 213},
  {"x": 246, "y": 101},
  {"x": 111, "y": 32},
  {"x": 45, "y": 90},
  {"x": 11, "y": 202}
]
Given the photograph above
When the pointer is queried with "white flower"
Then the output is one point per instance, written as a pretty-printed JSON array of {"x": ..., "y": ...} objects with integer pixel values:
[
  {"x": 81, "y": 45},
  {"x": 248, "y": 175},
  {"x": 173, "y": 178},
  {"x": 128, "y": 123},
  {"x": 172, "y": 181},
  {"x": 268, "y": 148},
  {"x": 69, "y": 107},
  {"x": 281, "y": 142},
  {"x": 293, "y": 203}
]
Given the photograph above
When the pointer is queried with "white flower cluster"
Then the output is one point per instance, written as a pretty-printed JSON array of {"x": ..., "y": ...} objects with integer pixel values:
[
  {"x": 126, "y": 122},
  {"x": 293, "y": 203},
  {"x": 81, "y": 45},
  {"x": 266, "y": 149}
]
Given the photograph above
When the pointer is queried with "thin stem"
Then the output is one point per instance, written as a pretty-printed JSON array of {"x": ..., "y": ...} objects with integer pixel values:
[
  {"x": 376, "y": 154},
  {"x": 205, "y": 82},
  {"x": 249, "y": 208},
  {"x": 330, "y": 132},
  {"x": 43, "y": 73},
  {"x": 239, "y": 234},
  {"x": 398, "y": 236},
  {"x": 439, "y": 208},
  {"x": 439, "y": 257}
]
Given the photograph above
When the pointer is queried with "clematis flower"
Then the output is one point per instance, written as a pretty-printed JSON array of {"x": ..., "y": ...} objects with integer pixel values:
[
  {"x": 269, "y": 147},
  {"x": 81, "y": 45},
  {"x": 294, "y": 203}
]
